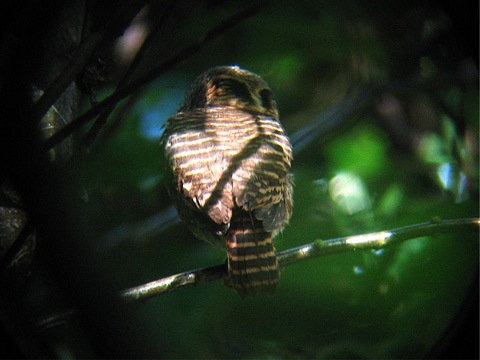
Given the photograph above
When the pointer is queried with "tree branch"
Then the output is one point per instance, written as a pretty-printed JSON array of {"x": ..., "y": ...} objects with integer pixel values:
[
  {"x": 315, "y": 249},
  {"x": 115, "y": 25},
  {"x": 140, "y": 55},
  {"x": 135, "y": 85},
  {"x": 361, "y": 98}
]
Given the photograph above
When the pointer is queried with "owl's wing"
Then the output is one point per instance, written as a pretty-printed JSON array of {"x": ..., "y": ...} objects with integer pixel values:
[
  {"x": 198, "y": 161},
  {"x": 224, "y": 157},
  {"x": 262, "y": 184}
]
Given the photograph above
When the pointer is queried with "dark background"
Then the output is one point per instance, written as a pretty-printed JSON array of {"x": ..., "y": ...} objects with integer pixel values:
[{"x": 381, "y": 102}]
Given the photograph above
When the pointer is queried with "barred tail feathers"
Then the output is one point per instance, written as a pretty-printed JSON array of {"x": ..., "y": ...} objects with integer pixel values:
[{"x": 252, "y": 264}]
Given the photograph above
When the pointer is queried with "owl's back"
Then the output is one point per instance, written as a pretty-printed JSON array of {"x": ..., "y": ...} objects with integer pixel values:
[{"x": 223, "y": 157}]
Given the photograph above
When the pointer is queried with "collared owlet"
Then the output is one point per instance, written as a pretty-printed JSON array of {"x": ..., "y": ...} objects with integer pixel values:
[{"x": 228, "y": 172}]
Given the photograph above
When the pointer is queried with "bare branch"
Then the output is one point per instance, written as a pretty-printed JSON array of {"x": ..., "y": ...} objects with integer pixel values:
[
  {"x": 175, "y": 282},
  {"x": 85, "y": 49},
  {"x": 135, "y": 85},
  {"x": 375, "y": 240},
  {"x": 104, "y": 115},
  {"x": 315, "y": 249},
  {"x": 361, "y": 98}
]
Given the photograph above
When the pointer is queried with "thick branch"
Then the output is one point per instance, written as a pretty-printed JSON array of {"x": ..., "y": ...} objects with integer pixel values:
[{"x": 315, "y": 249}]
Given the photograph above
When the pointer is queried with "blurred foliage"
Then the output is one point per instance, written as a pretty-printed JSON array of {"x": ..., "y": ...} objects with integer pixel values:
[{"x": 412, "y": 155}]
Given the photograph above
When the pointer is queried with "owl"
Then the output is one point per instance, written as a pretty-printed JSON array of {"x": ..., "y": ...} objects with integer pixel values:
[{"x": 228, "y": 174}]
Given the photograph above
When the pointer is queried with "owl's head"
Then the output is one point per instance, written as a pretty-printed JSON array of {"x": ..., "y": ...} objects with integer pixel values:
[{"x": 231, "y": 86}]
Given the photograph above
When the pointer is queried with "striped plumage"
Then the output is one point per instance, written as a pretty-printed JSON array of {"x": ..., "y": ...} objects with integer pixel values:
[{"x": 228, "y": 177}]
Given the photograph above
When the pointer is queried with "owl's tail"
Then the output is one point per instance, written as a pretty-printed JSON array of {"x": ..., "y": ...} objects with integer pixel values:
[{"x": 252, "y": 264}]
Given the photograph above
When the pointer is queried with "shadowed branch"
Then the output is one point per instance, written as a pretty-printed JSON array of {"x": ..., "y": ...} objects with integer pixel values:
[
  {"x": 92, "y": 42},
  {"x": 138, "y": 84},
  {"x": 140, "y": 55}
]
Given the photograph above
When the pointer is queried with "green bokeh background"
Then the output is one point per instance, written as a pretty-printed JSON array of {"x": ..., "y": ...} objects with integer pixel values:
[{"x": 395, "y": 303}]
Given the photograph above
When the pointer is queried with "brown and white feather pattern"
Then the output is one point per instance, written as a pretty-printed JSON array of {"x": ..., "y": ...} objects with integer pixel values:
[{"x": 230, "y": 182}]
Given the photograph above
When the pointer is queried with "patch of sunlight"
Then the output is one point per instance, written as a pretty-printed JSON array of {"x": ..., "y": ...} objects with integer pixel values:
[
  {"x": 431, "y": 149},
  {"x": 444, "y": 173},
  {"x": 154, "y": 116},
  {"x": 349, "y": 193},
  {"x": 362, "y": 151},
  {"x": 357, "y": 270}
]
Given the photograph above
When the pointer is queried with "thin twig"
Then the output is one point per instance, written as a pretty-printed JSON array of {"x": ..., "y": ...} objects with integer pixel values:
[
  {"x": 136, "y": 85},
  {"x": 375, "y": 240},
  {"x": 332, "y": 118},
  {"x": 315, "y": 249},
  {"x": 175, "y": 282},
  {"x": 139, "y": 56},
  {"x": 16, "y": 247},
  {"x": 80, "y": 58},
  {"x": 362, "y": 98}
]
